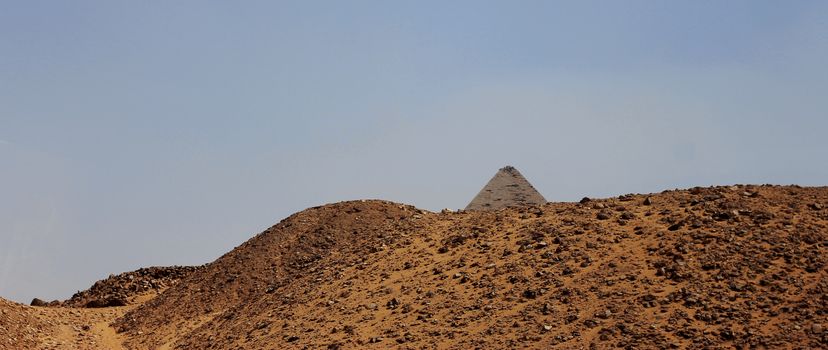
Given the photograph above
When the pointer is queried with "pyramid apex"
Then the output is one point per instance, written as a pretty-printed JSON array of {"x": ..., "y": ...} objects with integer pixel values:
[{"x": 508, "y": 188}]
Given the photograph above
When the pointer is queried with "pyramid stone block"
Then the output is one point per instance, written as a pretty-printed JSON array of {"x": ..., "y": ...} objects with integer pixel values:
[{"x": 508, "y": 188}]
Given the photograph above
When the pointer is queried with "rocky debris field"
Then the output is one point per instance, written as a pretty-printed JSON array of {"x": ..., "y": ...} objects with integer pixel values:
[
  {"x": 718, "y": 267},
  {"x": 123, "y": 289},
  {"x": 57, "y": 328}
]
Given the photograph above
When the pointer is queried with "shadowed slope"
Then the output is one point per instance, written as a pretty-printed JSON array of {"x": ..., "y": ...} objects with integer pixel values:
[{"x": 314, "y": 242}]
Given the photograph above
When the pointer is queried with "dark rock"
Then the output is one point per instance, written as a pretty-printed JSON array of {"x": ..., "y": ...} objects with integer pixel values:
[
  {"x": 112, "y": 302},
  {"x": 727, "y": 334},
  {"x": 530, "y": 294}
]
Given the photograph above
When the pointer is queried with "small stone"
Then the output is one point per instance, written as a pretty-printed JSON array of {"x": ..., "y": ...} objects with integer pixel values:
[
  {"x": 530, "y": 294},
  {"x": 727, "y": 334},
  {"x": 547, "y": 327},
  {"x": 817, "y": 328},
  {"x": 648, "y": 201}
]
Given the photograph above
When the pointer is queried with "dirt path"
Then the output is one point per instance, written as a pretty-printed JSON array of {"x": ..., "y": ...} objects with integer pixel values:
[{"x": 85, "y": 329}]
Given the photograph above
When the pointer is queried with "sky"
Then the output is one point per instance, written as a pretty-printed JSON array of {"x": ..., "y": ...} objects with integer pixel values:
[{"x": 147, "y": 133}]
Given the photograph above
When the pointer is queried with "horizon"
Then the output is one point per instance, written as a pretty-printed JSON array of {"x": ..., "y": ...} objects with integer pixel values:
[{"x": 156, "y": 134}]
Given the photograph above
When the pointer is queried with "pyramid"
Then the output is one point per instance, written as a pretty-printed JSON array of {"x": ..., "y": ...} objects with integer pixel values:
[{"x": 508, "y": 188}]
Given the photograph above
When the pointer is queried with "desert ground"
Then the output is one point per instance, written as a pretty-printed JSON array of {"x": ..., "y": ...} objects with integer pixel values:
[{"x": 723, "y": 267}]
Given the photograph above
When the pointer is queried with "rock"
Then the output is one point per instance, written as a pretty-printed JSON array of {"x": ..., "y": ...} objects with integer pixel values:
[
  {"x": 585, "y": 200},
  {"x": 38, "y": 302},
  {"x": 817, "y": 328},
  {"x": 603, "y": 215},
  {"x": 722, "y": 216},
  {"x": 648, "y": 201},
  {"x": 98, "y": 303},
  {"x": 530, "y": 294},
  {"x": 727, "y": 334}
]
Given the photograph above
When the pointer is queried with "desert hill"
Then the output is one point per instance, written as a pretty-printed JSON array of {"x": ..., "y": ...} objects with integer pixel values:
[
  {"x": 125, "y": 288},
  {"x": 300, "y": 254},
  {"x": 718, "y": 267}
]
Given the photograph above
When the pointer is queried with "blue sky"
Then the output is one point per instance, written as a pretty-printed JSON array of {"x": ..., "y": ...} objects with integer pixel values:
[{"x": 157, "y": 133}]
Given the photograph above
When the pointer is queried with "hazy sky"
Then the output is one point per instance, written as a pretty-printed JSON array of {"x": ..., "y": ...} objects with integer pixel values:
[{"x": 139, "y": 133}]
